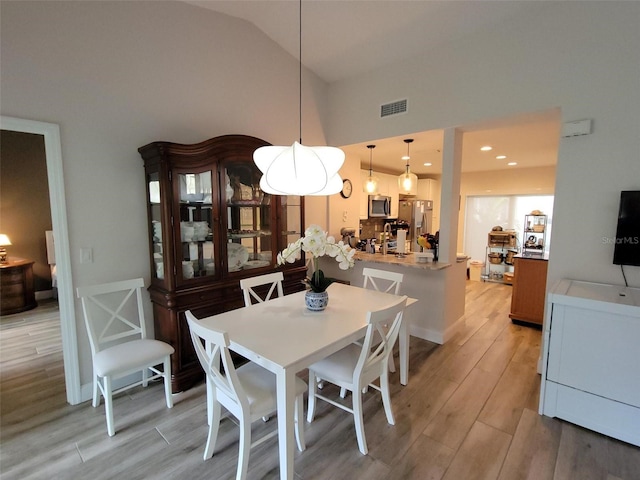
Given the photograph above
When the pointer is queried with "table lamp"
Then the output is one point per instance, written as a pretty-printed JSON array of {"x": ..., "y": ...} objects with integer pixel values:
[{"x": 4, "y": 241}]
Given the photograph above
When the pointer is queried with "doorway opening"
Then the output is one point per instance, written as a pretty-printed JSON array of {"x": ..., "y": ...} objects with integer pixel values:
[{"x": 53, "y": 154}]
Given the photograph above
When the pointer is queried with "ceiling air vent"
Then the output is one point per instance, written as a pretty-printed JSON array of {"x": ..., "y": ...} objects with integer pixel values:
[{"x": 393, "y": 108}]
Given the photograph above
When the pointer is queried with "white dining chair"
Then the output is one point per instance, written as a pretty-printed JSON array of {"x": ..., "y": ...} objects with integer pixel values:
[
  {"x": 248, "y": 392},
  {"x": 355, "y": 367},
  {"x": 274, "y": 280},
  {"x": 383, "y": 281},
  {"x": 114, "y": 317}
]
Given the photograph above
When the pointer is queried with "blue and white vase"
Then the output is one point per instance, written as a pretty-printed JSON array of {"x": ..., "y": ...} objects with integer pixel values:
[{"x": 316, "y": 301}]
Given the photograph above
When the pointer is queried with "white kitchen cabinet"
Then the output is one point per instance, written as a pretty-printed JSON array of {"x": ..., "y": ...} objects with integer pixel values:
[
  {"x": 393, "y": 189},
  {"x": 389, "y": 187},
  {"x": 383, "y": 183},
  {"x": 590, "y": 358},
  {"x": 364, "y": 197},
  {"x": 428, "y": 189}
]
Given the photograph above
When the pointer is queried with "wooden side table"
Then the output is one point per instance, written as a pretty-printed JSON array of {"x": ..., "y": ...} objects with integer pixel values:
[
  {"x": 17, "y": 292},
  {"x": 529, "y": 289}
]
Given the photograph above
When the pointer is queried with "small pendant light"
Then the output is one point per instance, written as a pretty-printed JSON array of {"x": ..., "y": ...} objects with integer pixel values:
[
  {"x": 371, "y": 185},
  {"x": 408, "y": 182}
]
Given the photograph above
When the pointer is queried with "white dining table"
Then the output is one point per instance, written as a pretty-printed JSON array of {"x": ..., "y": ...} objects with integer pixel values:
[{"x": 284, "y": 337}]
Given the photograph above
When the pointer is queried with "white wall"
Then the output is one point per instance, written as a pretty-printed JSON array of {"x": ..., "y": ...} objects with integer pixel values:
[
  {"x": 345, "y": 212},
  {"x": 118, "y": 75},
  {"x": 580, "y": 56},
  {"x": 334, "y": 212}
]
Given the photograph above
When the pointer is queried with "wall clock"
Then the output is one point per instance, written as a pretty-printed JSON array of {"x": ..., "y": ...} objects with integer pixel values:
[{"x": 347, "y": 188}]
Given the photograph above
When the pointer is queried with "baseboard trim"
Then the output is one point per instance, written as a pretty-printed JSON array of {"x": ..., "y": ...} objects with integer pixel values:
[
  {"x": 44, "y": 294},
  {"x": 437, "y": 337}
]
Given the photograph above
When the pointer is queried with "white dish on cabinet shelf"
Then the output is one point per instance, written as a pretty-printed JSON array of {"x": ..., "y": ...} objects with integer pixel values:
[
  {"x": 228, "y": 188},
  {"x": 237, "y": 256},
  {"x": 265, "y": 255},
  {"x": 256, "y": 263},
  {"x": 244, "y": 235},
  {"x": 249, "y": 234}
]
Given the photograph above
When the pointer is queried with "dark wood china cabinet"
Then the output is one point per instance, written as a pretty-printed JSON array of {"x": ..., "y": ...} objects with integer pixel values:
[{"x": 209, "y": 226}]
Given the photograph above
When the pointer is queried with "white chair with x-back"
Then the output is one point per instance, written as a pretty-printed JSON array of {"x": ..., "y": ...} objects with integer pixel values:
[
  {"x": 383, "y": 281},
  {"x": 114, "y": 317},
  {"x": 248, "y": 285},
  {"x": 248, "y": 392},
  {"x": 355, "y": 367}
]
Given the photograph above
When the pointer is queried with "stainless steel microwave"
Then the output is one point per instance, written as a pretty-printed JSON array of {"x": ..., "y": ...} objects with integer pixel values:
[{"x": 379, "y": 206}]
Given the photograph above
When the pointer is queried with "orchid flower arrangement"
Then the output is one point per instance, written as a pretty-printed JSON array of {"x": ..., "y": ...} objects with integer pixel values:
[{"x": 317, "y": 243}]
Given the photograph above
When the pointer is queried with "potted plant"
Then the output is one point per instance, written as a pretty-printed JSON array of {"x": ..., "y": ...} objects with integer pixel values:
[{"x": 317, "y": 243}]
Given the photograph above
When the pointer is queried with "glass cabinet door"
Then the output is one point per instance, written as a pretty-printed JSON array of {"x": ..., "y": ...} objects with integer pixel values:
[
  {"x": 291, "y": 218},
  {"x": 249, "y": 219},
  {"x": 194, "y": 231},
  {"x": 155, "y": 216}
]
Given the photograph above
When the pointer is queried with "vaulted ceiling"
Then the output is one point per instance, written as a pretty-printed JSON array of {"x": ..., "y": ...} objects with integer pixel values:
[{"x": 345, "y": 38}]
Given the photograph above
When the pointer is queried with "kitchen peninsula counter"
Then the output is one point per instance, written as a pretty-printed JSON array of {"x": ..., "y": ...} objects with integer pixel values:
[
  {"x": 409, "y": 260},
  {"x": 439, "y": 288}
]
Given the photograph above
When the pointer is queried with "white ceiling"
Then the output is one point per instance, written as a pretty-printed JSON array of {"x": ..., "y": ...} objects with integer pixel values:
[
  {"x": 345, "y": 38},
  {"x": 530, "y": 140}
]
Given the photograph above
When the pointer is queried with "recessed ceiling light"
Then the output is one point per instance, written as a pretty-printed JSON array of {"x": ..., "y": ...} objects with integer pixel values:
[
  {"x": 511, "y": 164},
  {"x": 486, "y": 148},
  {"x": 428, "y": 164},
  {"x": 501, "y": 157}
]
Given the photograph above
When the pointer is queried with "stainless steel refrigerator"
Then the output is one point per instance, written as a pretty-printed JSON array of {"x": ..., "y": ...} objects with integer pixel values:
[{"x": 418, "y": 214}]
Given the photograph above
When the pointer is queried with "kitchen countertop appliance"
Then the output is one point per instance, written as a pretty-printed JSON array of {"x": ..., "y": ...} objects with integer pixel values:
[
  {"x": 379, "y": 206},
  {"x": 349, "y": 236}
]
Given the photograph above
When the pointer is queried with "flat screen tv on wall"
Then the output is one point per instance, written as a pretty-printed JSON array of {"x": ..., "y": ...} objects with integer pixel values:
[{"x": 627, "y": 241}]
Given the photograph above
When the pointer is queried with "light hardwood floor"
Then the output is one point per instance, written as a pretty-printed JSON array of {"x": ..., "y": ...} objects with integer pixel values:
[{"x": 468, "y": 412}]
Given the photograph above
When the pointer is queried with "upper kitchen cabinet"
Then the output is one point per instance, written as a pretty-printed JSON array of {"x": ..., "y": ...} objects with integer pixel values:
[
  {"x": 210, "y": 225},
  {"x": 393, "y": 193},
  {"x": 364, "y": 197},
  {"x": 428, "y": 189}
]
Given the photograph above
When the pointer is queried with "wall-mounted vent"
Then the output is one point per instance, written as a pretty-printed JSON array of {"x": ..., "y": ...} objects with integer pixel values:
[
  {"x": 576, "y": 128},
  {"x": 393, "y": 108}
]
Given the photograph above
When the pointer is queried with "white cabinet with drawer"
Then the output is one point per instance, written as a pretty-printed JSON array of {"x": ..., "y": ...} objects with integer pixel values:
[{"x": 591, "y": 358}]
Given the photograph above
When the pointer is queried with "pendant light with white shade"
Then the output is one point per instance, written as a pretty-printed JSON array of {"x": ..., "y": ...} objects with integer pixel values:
[
  {"x": 298, "y": 169},
  {"x": 408, "y": 182},
  {"x": 371, "y": 185}
]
